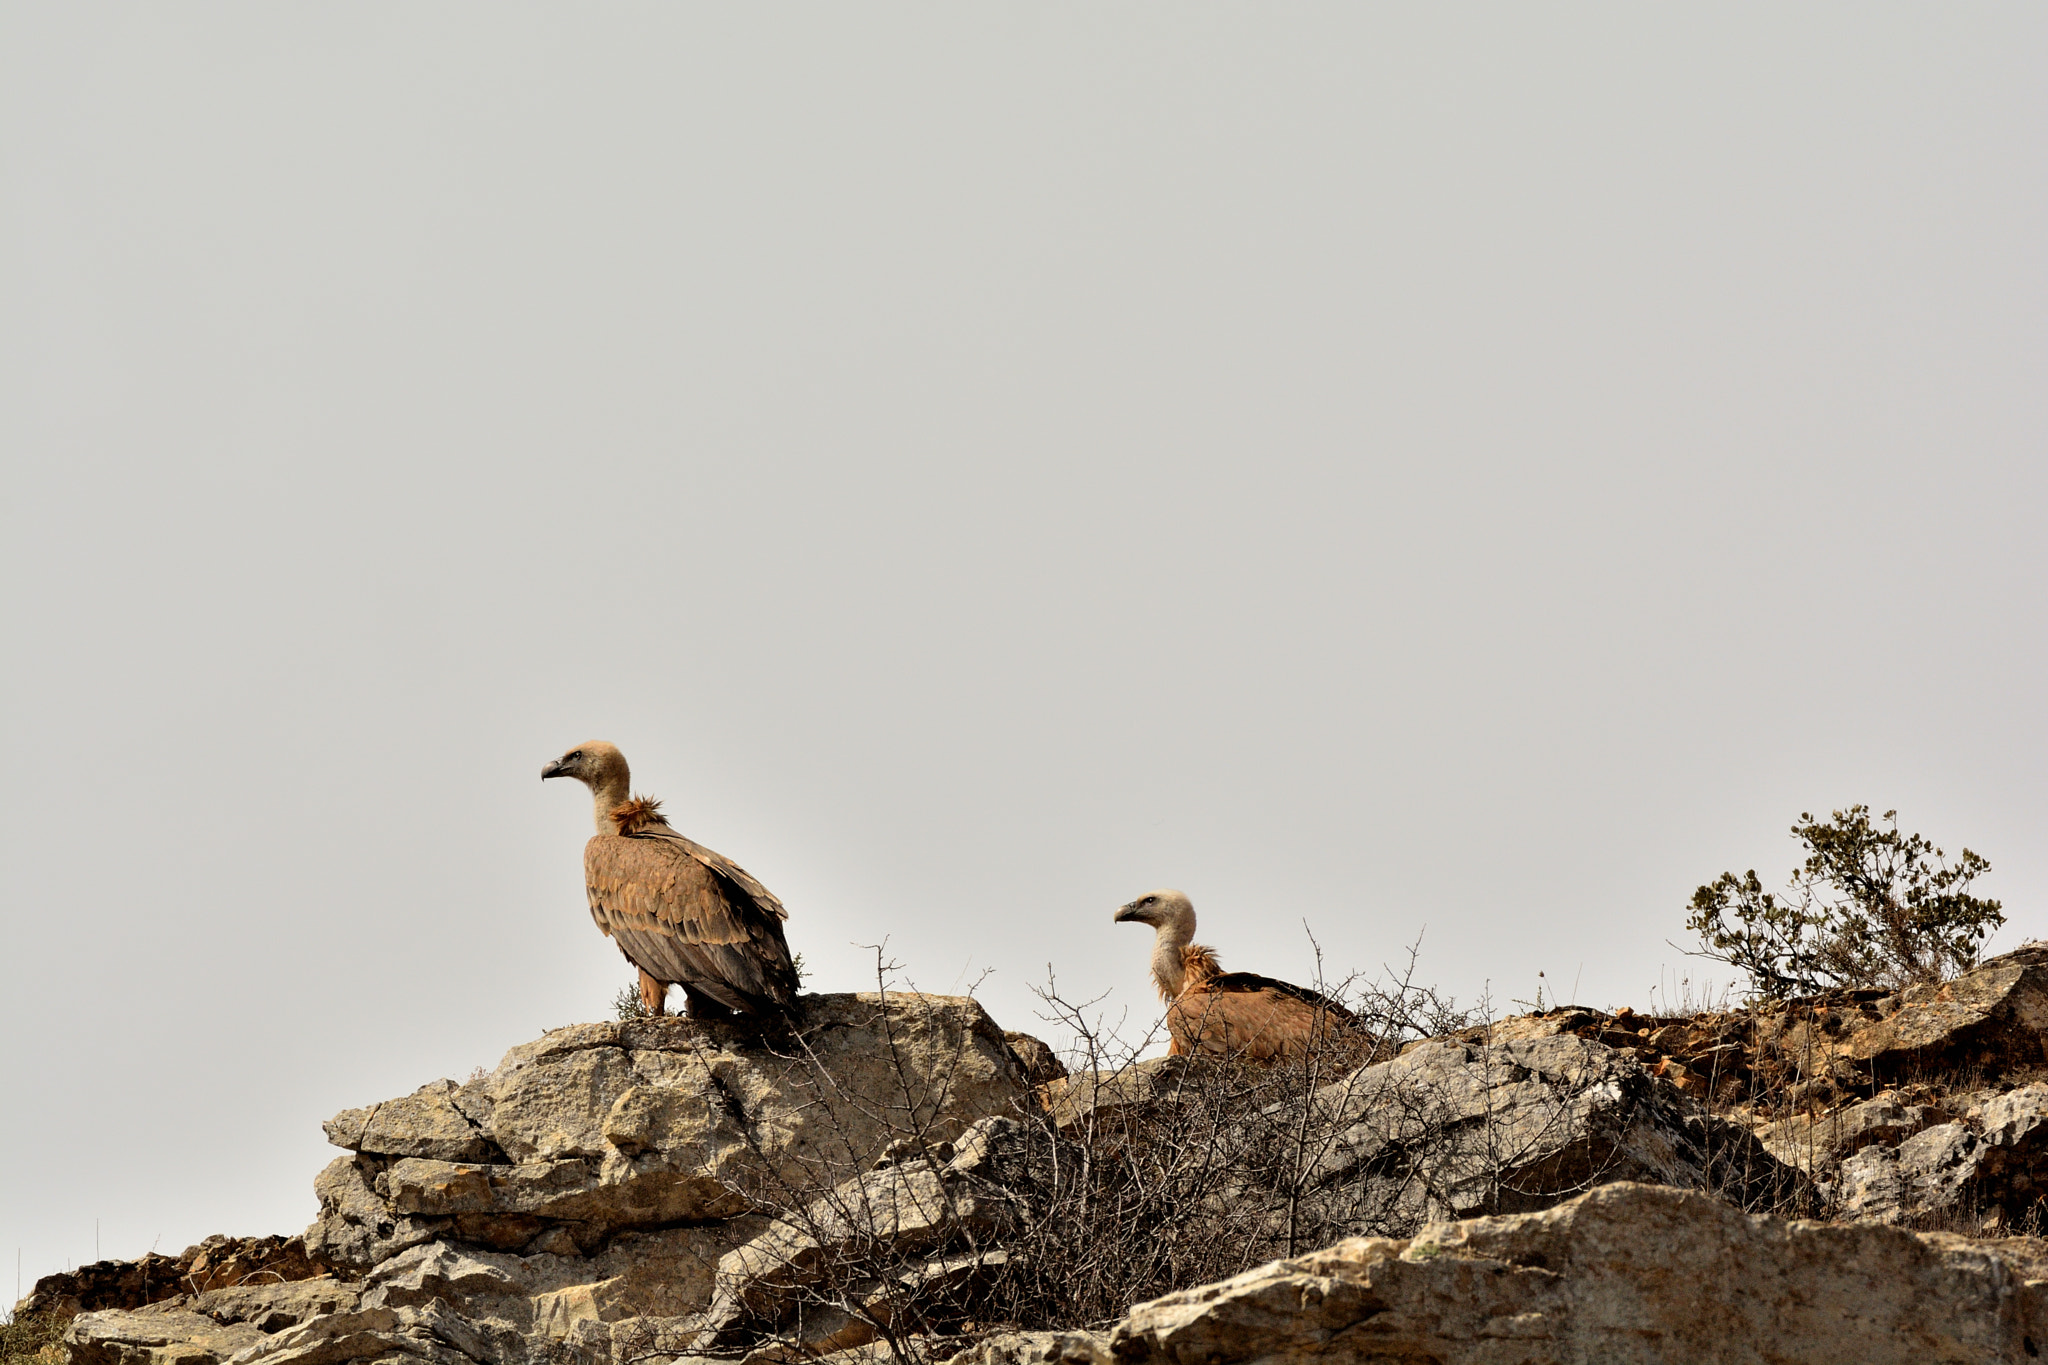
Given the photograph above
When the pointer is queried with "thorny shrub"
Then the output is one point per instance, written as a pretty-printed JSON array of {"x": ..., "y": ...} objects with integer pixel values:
[{"x": 1129, "y": 1179}]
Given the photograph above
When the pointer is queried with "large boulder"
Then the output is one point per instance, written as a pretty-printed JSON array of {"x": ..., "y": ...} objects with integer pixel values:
[
  {"x": 200, "y": 1329},
  {"x": 1817, "y": 1143},
  {"x": 914, "y": 1238},
  {"x": 1452, "y": 1128},
  {"x": 215, "y": 1263},
  {"x": 575, "y": 1202},
  {"x": 158, "y": 1334},
  {"x": 1993, "y": 1017},
  {"x": 599, "y": 1128},
  {"x": 1626, "y": 1272},
  {"x": 1988, "y": 1165}
]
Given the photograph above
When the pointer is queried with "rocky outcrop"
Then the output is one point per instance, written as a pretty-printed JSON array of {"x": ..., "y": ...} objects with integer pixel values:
[
  {"x": 1625, "y": 1272},
  {"x": 157, "y": 1335},
  {"x": 1837, "y": 1047},
  {"x": 600, "y": 1128},
  {"x": 1989, "y": 1166},
  {"x": 938, "y": 1219},
  {"x": 198, "y": 1329},
  {"x": 1503, "y": 1120},
  {"x": 1995, "y": 1017},
  {"x": 1452, "y": 1128},
  {"x": 656, "y": 1188},
  {"x": 1816, "y": 1143},
  {"x": 215, "y": 1263},
  {"x": 591, "y": 1183}
]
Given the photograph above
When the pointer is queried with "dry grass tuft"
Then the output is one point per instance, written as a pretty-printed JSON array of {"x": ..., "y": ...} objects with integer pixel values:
[{"x": 32, "y": 1339}]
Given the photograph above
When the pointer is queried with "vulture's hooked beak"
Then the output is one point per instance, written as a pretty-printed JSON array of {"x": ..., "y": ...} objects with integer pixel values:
[
  {"x": 1124, "y": 913},
  {"x": 555, "y": 768}
]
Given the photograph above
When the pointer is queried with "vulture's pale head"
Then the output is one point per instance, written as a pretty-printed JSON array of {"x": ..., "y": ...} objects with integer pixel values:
[
  {"x": 595, "y": 764},
  {"x": 602, "y": 768},
  {"x": 1162, "y": 910}
]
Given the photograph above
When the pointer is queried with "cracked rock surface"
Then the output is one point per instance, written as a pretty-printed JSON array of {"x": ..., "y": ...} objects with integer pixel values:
[
  {"x": 1452, "y": 1128},
  {"x": 1627, "y": 1272},
  {"x": 598, "y": 1128},
  {"x": 1994, "y": 1156},
  {"x": 667, "y": 1190},
  {"x": 578, "y": 1199}
]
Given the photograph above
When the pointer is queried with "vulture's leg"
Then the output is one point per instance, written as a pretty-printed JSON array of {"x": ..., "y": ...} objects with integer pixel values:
[
  {"x": 653, "y": 994},
  {"x": 698, "y": 1005}
]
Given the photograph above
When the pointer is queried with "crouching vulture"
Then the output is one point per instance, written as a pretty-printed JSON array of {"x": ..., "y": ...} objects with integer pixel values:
[
  {"x": 1213, "y": 1011},
  {"x": 679, "y": 912}
]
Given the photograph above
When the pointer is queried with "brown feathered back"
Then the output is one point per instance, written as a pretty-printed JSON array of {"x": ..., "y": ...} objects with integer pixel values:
[
  {"x": 642, "y": 817},
  {"x": 1252, "y": 1017}
]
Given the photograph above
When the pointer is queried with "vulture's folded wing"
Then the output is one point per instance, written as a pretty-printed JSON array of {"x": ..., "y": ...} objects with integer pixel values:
[
  {"x": 652, "y": 885},
  {"x": 680, "y": 919},
  {"x": 1252, "y": 1016},
  {"x": 725, "y": 867},
  {"x": 1252, "y": 981}
]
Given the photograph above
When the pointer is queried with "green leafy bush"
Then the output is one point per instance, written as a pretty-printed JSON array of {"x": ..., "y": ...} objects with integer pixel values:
[{"x": 1869, "y": 908}]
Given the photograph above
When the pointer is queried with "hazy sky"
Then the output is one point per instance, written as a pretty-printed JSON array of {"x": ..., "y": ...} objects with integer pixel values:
[{"x": 1474, "y": 470}]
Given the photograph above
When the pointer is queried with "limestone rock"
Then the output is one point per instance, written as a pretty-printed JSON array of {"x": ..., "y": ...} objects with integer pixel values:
[
  {"x": 426, "y": 1123},
  {"x": 1994, "y": 1160},
  {"x": 215, "y": 1263},
  {"x": 662, "y": 1273},
  {"x": 1626, "y": 1272},
  {"x": 432, "y": 1333},
  {"x": 357, "y": 1227},
  {"x": 1816, "y": 1143},
  {"x": 1995, "y": 1015},
  {"x": 272, "y": 1307},
  {"x": 1454, "y": 1128},
  {"x": 422, "y": 1274},
  {"x": 598, "y": 1128},
  {"x": 863, "y": 1233},
  {"x": 1038, "y": 1348},
  {"x": 159, "y": 1334},
  {"x": 1822, "y": 1048},
  {"x": 199, "y": 1328}
]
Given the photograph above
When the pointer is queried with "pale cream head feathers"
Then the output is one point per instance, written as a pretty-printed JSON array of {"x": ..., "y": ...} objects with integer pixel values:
[
  {"x": 1172, "y": 917},
  {"x": 599, "y": 766}
]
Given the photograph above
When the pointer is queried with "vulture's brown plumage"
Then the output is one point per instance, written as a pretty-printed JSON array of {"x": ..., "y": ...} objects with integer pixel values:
[
  {"x": 682, "y": 914},
  {"x": 1239, "y": 1014}
]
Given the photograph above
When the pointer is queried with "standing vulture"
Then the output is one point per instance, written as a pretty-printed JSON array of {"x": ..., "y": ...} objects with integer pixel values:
[
  {"x": 1217, "y": 1012},
  {"x": 680, "y": 913}
]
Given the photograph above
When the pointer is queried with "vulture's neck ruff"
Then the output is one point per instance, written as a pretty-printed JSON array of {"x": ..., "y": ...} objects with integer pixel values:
[{"x": 641, "y": 815}]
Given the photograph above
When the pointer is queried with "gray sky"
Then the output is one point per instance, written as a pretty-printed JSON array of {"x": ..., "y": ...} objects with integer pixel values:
[{"x": 1438, "y": 468}]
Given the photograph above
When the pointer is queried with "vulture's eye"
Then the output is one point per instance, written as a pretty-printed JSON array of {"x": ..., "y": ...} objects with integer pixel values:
[{"x": 573, "y": 757}]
